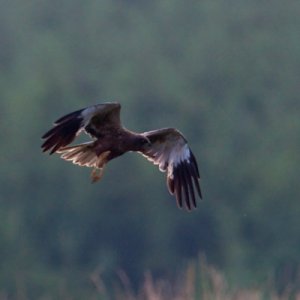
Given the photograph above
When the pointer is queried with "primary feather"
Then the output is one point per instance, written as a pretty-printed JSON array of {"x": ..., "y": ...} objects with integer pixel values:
[{"x": 170, "y": 151}]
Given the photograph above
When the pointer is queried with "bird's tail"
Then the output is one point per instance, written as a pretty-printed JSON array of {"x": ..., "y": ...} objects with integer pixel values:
[{"x": 84, "y": 155}]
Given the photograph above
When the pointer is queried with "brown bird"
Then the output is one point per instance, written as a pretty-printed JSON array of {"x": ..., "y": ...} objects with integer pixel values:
[{"x": 165, "y": 147}]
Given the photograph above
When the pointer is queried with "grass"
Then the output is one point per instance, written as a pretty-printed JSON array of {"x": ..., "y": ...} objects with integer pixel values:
[
  {"x": 202, "y": 282},
  {"x": 199, "y": 281}
]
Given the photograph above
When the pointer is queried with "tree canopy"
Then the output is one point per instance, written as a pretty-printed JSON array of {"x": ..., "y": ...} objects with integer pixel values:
[{"x": 225, "y": 73}]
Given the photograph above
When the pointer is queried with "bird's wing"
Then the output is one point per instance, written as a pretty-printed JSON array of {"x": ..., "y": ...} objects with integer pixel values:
[
  {"x": 169, "y": 150},
  {"x": 92, "y": 119}
]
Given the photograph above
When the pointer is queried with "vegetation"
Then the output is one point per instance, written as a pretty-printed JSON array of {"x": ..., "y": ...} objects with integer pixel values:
[
  {"x": 198, "y": 281},
  {"x": 225, "y": 73}
]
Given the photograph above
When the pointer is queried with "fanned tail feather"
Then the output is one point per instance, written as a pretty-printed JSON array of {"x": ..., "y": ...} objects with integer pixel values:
[{"x": 84, "y": 155}]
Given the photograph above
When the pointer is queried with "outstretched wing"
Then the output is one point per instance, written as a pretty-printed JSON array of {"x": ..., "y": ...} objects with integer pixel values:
[
  {"x": 93, "y": 119},
  {"x": 169, "y": 150}
]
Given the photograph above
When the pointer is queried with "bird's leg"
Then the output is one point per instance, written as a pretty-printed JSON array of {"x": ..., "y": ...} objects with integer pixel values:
[
  {"x": 97, "y": 174},
  {"x": 98, "y": 170}
]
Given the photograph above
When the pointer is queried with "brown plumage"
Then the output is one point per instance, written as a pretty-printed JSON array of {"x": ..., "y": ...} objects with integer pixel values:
[{"x": 165, "y": 147}]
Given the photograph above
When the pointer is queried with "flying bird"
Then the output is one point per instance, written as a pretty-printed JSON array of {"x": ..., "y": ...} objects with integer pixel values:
[{"x": 165, "y": 147}]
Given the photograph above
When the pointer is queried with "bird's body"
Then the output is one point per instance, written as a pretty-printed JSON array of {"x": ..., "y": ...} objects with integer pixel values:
[
  {"x": 165, "y": 147},
  {"x": 117, "y": 142}
]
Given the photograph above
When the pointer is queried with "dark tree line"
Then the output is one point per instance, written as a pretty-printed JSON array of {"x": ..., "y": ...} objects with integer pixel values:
[{"x": 225, "y": 74}]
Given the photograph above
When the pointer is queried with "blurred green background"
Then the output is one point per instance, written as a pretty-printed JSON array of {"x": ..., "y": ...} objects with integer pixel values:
[{"x": 225, "y": 73}]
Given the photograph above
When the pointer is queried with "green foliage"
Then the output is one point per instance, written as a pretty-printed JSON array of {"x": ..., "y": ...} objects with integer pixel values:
[{"x": 225, "y": 74}]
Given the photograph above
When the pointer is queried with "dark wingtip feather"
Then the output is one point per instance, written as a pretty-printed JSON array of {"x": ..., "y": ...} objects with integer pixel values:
[
  {"x": 177, "y": 188},
  {"x": 170, "y": 184},
  {"x": 184, "y": 184},
  {"x": 200, "y": 192},
  {"x": 194, "y": 162},
  {"x": 69, "y": 116},
  {"x": 188, "y": 176},
  {"x": 194, "y": 174},
  {"x": 63, "y": 133},
  {"x": 49, "y": 133},
  {"x": 185, "y": 181}
]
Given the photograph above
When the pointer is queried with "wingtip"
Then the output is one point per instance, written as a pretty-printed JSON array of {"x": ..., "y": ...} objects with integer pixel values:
[
  {"x": 46, "y": 149},
  {"x": 63, "y": 133}
]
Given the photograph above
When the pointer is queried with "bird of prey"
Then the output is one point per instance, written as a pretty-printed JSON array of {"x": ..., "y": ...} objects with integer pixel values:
[{"x": 165, "y": 147}]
